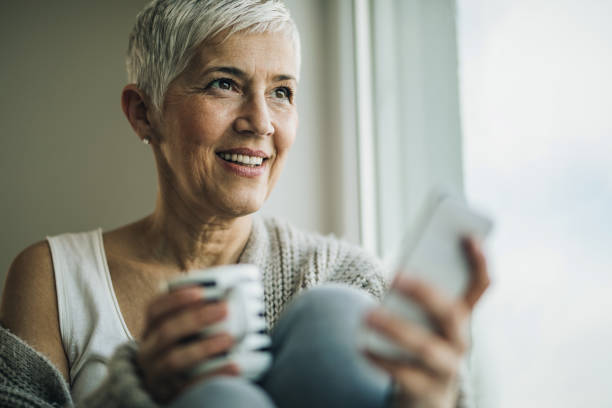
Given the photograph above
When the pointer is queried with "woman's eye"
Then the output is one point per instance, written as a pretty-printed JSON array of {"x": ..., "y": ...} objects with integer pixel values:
[
  {"x": 283, "y": 93},
  {"x": 222, "y": 83}
]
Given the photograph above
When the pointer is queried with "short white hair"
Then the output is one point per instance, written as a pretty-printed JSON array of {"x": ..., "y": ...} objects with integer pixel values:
[{"x": 167, "y": 34}]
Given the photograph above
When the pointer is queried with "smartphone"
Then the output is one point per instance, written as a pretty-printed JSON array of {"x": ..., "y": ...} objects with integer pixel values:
[{"x": 433, "y": 253}]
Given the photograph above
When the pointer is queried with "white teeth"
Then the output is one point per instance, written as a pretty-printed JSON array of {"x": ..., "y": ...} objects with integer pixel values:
[{"x": 242, "y": 159}]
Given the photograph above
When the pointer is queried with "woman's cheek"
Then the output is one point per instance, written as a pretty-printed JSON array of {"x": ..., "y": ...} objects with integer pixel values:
[
  {"x": 287, "y": 133},
  {"x": 210, "y": 120}
]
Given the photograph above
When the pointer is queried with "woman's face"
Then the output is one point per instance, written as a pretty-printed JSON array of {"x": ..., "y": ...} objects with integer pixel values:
[{"x": 228, "y": 123}]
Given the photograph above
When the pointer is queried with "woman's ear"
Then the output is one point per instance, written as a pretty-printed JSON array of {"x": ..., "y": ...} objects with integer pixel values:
[{"x": 138, "y": 111}]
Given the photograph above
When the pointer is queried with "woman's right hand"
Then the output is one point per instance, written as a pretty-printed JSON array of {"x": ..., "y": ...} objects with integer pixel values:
[{"x": 164, "y": 357}]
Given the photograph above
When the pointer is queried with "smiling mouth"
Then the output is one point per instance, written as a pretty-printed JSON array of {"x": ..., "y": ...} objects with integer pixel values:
[{"x": 242, "y": 159}]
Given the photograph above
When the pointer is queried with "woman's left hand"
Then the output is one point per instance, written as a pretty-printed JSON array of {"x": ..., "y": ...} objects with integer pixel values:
[{"x": 431, "y": 381}]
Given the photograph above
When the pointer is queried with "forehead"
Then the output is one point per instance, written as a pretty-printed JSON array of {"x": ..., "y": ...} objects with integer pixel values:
[{"x": 269, "y": 53}]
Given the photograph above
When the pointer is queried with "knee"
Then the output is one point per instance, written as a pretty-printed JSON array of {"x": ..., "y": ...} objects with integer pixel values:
[
  {"x": 330, "y": 308},
  {"x": 331, "y": 301},
  {"x": 223, "y": 391},
  {"x": 315, "y": 340},
  {"x": 332, "y": 297}
]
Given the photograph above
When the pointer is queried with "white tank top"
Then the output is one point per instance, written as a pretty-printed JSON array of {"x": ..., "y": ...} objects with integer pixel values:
[{"x": 90, "y": 320}]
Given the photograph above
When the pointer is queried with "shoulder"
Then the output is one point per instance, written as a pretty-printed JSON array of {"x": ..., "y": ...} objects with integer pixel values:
[
  {"x": 330, "y": 258},
  {"x": 29, "y": 287},
  {"x": 29, "y": 302},
  {"x": 30, "y": 274}
]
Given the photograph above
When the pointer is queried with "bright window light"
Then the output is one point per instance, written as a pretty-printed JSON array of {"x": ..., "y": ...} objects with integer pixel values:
[{"x": 536, "y": 89}]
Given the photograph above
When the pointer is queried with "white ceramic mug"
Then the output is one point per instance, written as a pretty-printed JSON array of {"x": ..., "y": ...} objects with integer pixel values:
[{"x": 240, "y": 286}]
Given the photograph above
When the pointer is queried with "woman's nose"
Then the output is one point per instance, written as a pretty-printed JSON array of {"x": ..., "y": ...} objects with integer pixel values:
[{"x": 255, "y": 118}]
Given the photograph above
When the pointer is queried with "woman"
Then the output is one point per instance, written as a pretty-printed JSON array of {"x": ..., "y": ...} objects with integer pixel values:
[{"x": 212, "y": 92}]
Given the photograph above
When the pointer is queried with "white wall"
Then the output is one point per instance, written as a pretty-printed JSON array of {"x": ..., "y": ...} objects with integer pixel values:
[
  {"x": 303, "y": 192},
  {"x": 69, "y": 160}
]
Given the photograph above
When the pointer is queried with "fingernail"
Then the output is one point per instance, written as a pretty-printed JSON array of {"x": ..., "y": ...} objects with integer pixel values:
[
  {"x": 397, "y": 278},
  {"x": 234, "y": 369},
  {"x": 220, "y": 309},
  {"x": 225, "y": 339},
  {"x": 375, "y": 317},
  {"x": 470, "y": 242},
  {"x": 406, "y": 283}
]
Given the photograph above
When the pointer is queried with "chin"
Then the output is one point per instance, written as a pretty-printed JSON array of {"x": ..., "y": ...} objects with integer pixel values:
[{"x": 241, "y": 205}]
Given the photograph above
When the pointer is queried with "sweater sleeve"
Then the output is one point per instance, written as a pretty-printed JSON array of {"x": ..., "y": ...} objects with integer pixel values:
[{"x": 29, "y": 379}]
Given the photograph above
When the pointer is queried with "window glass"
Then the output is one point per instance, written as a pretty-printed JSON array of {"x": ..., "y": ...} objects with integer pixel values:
[
  {"x": 536, "y": 96},
  {"x": 416, "y": 110}
]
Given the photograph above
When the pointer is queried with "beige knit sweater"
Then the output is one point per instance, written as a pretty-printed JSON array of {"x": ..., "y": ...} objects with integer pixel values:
[{"x": 293, "y": 260}]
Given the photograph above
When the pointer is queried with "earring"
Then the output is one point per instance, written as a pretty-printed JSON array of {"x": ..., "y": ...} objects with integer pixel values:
[{"x": 146, "y": 140}]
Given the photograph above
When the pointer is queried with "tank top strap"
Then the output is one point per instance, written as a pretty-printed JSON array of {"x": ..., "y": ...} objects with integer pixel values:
[{"x": 90, "y": 320}]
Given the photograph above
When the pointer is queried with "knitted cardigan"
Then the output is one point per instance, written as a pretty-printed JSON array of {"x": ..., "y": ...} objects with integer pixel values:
[{"x": 291, "y": 261}]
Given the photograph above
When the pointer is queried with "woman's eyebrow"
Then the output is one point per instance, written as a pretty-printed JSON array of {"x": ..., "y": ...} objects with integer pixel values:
[
  {"x": 228, "y": 70},
  {"x": 237, "y": 72},
  {"x": 283, "y": 77}
]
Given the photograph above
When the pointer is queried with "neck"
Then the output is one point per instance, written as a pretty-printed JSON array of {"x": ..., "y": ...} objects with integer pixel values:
[{"x": 191, "y": 241}]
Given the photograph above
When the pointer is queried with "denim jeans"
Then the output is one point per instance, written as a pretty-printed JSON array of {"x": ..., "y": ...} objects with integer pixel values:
[{"x": 316, "y": 360}]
